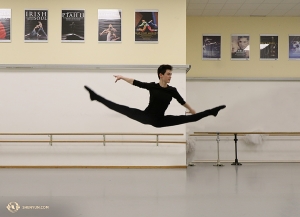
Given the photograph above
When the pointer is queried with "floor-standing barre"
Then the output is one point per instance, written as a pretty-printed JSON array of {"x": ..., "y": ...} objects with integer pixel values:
[
  {"x": 218, "y": 145},
  {"x": 235, "y": 134}
]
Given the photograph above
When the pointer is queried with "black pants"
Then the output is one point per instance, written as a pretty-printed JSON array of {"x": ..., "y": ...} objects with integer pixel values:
[{"x": 146, "y": 118}]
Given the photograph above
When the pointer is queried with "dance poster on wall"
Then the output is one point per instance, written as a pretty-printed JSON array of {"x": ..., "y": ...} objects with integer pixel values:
[
  {"x": 146, "y": 26},
  {"x": 72, "y": 27},
  {"x": 294, "y": 47},
  {"x": 5, "y": 25},
  {"x": 109, "y": 25},
  {"x": 36, "y": 25},
  {"x": 211, "y": 47},
  {"x": 240, "y": 47},
  {"x": 268, "y": 47}
]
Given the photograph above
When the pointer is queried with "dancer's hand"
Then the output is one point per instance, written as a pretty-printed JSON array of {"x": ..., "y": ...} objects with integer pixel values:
[
  {"x": 192, "y": 111},
  {"x": 118, "y": 77}
]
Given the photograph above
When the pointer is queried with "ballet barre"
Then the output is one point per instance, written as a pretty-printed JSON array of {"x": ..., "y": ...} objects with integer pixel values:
[
  {"x": 235, "y": 134},
  {"x": 51, "y": 139}
]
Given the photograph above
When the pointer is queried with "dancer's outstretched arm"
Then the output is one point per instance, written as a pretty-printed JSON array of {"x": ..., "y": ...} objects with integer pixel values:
[
  {"x": 134, "y": 82},
  {"x": 179, "y": 98},
  {"x": 120, "y": 77},
  {"x": 192, "y": 111}
]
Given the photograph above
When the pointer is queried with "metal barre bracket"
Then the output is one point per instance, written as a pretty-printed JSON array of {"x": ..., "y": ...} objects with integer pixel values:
[
  {"x": 236, "y": 161},
  {"x": 218, "y": 161}
]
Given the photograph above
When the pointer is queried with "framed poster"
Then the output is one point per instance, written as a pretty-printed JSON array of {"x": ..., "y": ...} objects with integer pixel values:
[
  {"x": 72, "y": 26},
  {"x": 211, "y": 47},
  {"x": 294, "y": 47},
  {"x": 268, "y": 47},
  {"x": 240, "y": 47},
  {"x": 146, "y": 26},
  {"x": 5, "y": 25},
  {"x": 109, "y": 25},
  {"x": 36, "y": 25}
]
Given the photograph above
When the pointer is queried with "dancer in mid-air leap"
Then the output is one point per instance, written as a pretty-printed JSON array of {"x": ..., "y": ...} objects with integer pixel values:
[{"x": 161, "y": 95}]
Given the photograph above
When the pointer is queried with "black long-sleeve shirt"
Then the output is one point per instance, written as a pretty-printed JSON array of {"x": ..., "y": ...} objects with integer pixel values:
[{"x": 160, "y": 97}]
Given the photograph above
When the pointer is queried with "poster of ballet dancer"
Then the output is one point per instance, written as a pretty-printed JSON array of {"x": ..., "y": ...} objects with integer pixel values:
[
  {"x": 36, "y": 25},
  {"x": 211, "y": 47},
  {"x": 240, "y": 47},
  {"x": 5, "y": 23},
  {"x": 72, "y": 27},
  {"x": 146, "y": 26},
  {"x": 268, "y": 47},
  {"x": 109, "y": 25},
  {"x": 294, "y": 47}
]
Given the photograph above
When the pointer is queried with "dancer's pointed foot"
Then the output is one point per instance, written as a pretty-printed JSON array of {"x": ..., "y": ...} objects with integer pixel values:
[
  {"x": 92, "y": 93},
  {"x": 216, "y": 110}
]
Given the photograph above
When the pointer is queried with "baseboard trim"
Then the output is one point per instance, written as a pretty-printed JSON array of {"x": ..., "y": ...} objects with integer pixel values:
[{"x": 95, "y": 167}]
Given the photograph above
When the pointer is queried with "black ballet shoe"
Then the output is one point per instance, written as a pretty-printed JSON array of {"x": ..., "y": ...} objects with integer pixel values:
[
  {"x": 92, "y": 93},
  {"x": 216, "y": 110}
]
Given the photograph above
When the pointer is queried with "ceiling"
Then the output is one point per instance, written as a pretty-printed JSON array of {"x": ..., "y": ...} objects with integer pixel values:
[{"x": 277, "y": 8}]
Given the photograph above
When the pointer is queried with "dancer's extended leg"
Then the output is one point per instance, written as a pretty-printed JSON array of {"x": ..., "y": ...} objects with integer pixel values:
[
  {"x": 171, "y": 120},
  {"x": 132, "y": 113}
]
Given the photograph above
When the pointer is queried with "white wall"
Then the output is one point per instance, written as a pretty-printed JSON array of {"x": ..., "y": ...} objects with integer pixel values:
[
  {"x": 270, "y": 106},
  {"x": 54, "y": 100}
]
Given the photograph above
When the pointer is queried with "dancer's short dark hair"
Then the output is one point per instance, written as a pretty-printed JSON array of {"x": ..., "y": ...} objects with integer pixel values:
[{"x": 162, "y": 69}]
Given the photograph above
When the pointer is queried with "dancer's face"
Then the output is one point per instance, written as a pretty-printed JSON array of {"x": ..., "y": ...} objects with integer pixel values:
[{"x": 167, "y": 76}]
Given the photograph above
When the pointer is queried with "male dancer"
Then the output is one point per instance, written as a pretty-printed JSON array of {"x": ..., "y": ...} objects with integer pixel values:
[{"x": 161, "y": 95}]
